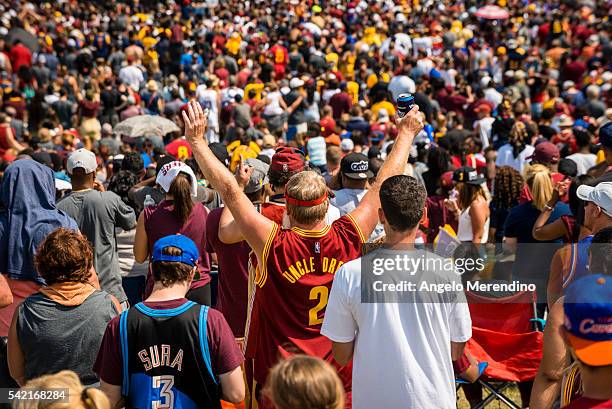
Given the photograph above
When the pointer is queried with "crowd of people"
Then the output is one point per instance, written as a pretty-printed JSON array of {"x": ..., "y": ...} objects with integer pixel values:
[{"x": 191, "y": 192}]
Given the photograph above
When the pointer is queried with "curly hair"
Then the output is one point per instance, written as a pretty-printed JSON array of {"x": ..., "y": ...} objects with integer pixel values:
[
  {"x": 121, "y": 183},
  {"x": 508, "y": 185},
  {"x": 64, "y": 256}
]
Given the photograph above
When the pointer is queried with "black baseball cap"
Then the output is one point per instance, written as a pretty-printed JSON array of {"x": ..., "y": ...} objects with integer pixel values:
[
  {"x": 356, "y": 166},
  {"x": 468, "y": 175},
  {"x": 220, "y": 151}
]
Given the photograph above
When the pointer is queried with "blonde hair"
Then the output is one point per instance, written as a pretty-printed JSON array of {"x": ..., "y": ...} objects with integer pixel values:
[
  {"x": 79, "y": 397},
  {"x": 304, "y": 382},
  {"x": 307, "y": 185},
  {"x": 540, "y": 185}
]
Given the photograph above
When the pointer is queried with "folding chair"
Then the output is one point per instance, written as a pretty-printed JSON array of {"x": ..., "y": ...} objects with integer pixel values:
[{"x": 504, "y": 336}]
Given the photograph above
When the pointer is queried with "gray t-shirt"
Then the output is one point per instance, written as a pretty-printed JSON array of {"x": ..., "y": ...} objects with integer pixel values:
[
  {"x": 55, "y": 337},
  {"x": 97, "y": 214}
]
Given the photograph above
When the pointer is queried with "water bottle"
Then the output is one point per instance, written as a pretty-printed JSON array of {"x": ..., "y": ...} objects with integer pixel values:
[{"x": 149, "y": 201}]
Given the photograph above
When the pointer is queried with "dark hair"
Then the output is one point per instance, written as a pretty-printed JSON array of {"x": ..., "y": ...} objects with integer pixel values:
[
  {"x": 568, "y": 168},
  {"x": 264, "y": 158},
  {"x": 374, "y": 164},
  {"x": 583, "y": 137},
  {"x": 468, "y": 193},
  {"x": 402, "y": 199},
  {"x": 438, "y": 161},
  {"x": 132, "y": 162},
  {"x": 170, "y": 272},
  {"x": 64, "y": 256},
  {"x": 180, "y": 189},
  {"x": 573, "y": 200},
  {"x": 121, "y": 183},
  {"x": 508, "y": 185},
  {"x": 601, "y": 254}
]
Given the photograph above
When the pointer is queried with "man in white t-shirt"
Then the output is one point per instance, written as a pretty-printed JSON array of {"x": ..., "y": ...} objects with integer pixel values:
[
  {"x": 517, "y": 152},
  {"x": 402, "y": 352},
  {"x": 484, "y": 124},
  {"x": 584, "y": 159}
]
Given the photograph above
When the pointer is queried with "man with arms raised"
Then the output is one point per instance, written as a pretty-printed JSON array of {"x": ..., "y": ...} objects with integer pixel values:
[
  {"x": 417, "y": 342},
  {"x": 296, "y": 266}
]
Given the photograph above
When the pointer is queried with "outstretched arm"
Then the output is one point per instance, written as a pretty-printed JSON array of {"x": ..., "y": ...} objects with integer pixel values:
[
  {"x": 366, "y": 214},
  {"x": 255, "y": 227}
]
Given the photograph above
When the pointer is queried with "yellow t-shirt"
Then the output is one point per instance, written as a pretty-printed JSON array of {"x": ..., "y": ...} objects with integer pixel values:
[
  {"x": 253, "y": 86},
  {"x": 389, "y": 107}
]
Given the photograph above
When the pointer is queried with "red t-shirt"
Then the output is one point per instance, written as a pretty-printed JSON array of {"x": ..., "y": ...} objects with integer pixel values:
[
  {"x": 589, "y": 403},
  {"x": 273, "y": 212},
  {"x": 233, "y": 259},
  {"x": 20, "y": 55},
  {"x": 279, "y": 54},
  {"x": 160, "y": 222},
  {"x": 292, "y": 291},
  {"x": 225, "y": 355},
  {"x": 340, "y": 103}
]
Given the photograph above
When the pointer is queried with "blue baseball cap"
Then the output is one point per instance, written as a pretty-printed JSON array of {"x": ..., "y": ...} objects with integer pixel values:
[
  {"x": 588, "y": 318},
  {"x": 605, "y": 135},
  {"x": 190, "y": 253}
]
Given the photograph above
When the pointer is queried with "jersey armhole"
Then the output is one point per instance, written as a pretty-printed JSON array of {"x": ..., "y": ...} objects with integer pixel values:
[
  {"x": 261, "y": 273},
  {"x": 125, "y": 390},
  {"x": 356, "y": 226},
  {"x": 204, "y": 347}
]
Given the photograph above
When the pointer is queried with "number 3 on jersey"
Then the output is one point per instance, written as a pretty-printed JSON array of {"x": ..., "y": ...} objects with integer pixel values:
[
  {"x": 166, "y": 396},
  {"x": 320, "y": 293}
]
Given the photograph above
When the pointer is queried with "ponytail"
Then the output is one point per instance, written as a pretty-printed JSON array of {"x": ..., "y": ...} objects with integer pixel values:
[
  {"x": 180, "y": 189},
  {"x": 540, "y": 185}
]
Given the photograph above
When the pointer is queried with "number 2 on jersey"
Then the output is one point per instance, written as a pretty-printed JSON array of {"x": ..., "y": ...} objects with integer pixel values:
[
  {"x": 164, "y": 383},
  {"x": 320, "y": 293}
]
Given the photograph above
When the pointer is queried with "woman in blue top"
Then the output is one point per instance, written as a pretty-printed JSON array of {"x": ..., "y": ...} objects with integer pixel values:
[{"x": 533, "y": 257}]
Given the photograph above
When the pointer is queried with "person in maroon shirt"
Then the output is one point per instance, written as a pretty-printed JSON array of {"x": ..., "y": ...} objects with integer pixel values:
[
  {"x": 174, "y": 265},
  {"x": 177, "y": 214},
  {"x": 341, "y": 102},
  {"x": 233, "y": 257}
]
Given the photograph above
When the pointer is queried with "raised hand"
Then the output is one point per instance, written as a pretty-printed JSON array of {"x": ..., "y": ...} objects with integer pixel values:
[
  {"x": 243, "y": 174},
  {"x": 195, "y": 122},
  {"x": 411, "y": 123},
  {"x": 560, "y": 190}
]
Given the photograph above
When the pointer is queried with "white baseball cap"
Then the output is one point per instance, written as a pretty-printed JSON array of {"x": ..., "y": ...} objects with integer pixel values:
[
  {"x": 170, "y": 171},
  {"x": 347, "y": 145},
  {"x": 601, "y": 195},
  {"x": 82, "y": 158},
  {"x": 295, "y": 83}
]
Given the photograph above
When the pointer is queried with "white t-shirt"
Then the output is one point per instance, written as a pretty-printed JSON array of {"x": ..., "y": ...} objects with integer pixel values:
[
  {"x": 346, "y": 200},
  {"x": 273, "y": 107},
  {"x": 402, "y": 356},
  {"x": 484, "y": 127},
  {"x": 505, "y": 157},
  {"x": 584, "y": 161},
  {"x": 132, "y": 76}
]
